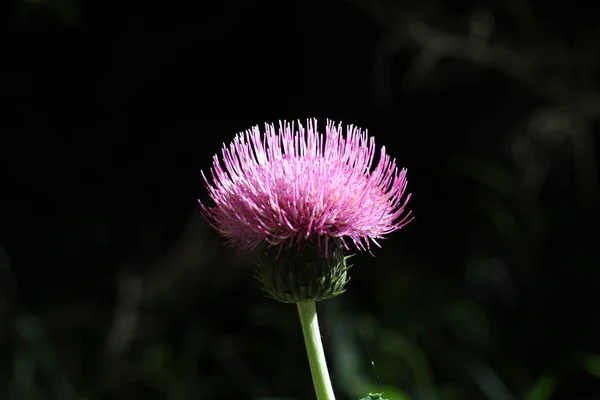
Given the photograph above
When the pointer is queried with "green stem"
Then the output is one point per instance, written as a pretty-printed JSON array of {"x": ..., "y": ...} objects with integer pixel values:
[{"x": 314, "y": 349}]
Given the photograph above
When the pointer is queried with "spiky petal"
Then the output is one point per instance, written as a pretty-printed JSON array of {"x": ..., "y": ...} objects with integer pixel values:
[{"x": 296, "y": 185}]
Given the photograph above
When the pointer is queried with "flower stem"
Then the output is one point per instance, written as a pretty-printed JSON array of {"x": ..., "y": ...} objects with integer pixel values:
[{"x": 314, "y": 349}]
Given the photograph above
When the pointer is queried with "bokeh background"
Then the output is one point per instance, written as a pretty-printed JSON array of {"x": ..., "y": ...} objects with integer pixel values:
[{"x": 113, "y": 287}]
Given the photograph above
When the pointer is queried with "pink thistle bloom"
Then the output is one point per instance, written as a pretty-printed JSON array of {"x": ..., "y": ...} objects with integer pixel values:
[{"x": 293, "y": 186}]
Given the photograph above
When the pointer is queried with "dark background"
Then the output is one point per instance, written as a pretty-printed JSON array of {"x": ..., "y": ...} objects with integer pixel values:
[{"x": 113, "y": 287}]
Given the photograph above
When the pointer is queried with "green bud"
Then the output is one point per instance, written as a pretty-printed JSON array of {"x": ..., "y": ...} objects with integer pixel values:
[{"x": 294, "y": 276}]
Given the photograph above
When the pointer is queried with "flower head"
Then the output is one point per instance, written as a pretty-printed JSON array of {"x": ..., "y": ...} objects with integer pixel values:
[{"x": 296, "y": 186}]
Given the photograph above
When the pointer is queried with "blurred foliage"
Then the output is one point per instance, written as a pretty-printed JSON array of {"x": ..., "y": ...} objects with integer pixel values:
[
  {"x": 67, "y": 12},
  {"x": 491, "y": 293}
]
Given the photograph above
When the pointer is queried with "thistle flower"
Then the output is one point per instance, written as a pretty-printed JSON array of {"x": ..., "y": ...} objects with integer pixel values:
[
  {"x": 291, "y": 187},
  {"x": 300, "y": 189}
]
